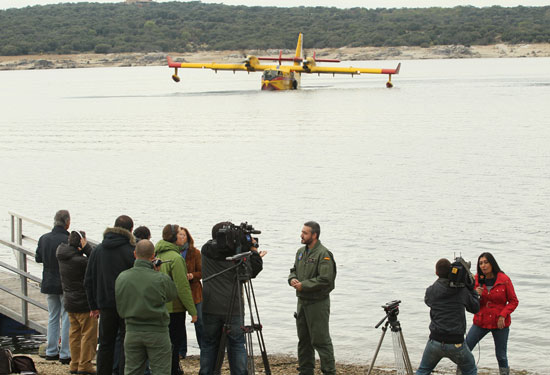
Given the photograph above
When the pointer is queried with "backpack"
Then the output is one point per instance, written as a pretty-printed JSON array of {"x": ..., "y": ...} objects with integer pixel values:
[
  {"x": 6, "y": 361},
  {"x": 23, "y": 365}
]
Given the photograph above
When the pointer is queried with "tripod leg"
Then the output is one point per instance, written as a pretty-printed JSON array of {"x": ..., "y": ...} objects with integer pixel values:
[
  {"x": 258, "y": 329},
  {"x": 226, "y": 328},
  {"x": 384, "y": 329},
  {"x": 406, "y": 358}
]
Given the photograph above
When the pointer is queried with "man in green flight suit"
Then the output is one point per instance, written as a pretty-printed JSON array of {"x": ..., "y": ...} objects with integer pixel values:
[
  {"x": 313, "y": 277},
  {"x": 141, "y": 296}
]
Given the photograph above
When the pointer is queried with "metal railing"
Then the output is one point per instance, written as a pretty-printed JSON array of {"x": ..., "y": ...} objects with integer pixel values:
[{"x": 21, "y": 254}]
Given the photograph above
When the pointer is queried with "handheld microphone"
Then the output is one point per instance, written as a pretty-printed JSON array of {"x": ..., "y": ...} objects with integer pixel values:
[{"x": 481, "y": 280}]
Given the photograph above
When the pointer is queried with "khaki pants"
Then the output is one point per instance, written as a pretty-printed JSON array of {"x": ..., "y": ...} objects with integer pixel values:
[{"x": 82, "y": 341}]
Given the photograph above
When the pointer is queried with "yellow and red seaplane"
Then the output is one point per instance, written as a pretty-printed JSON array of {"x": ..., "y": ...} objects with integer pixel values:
[{"x": 283, "y": 77}]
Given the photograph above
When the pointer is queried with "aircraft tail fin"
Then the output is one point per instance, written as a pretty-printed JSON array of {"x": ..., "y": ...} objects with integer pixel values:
[{"x": 299, "y": 50}]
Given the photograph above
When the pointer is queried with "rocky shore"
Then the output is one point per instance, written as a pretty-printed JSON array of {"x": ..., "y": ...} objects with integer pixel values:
[
  {"x": 280, "y": 365},
  {"x": 345, "y": 54}
]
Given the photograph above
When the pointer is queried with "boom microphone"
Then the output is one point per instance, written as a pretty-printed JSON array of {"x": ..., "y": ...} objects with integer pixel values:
[{"x": 239, "y": 256}]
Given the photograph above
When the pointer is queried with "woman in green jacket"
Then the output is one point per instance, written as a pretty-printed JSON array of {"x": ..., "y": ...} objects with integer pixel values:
[{"x": 168, "y": 250}]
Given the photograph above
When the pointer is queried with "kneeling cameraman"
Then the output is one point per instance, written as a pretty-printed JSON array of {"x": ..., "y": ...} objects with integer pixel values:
[
  {"x": 448, "y": 322},
  {"x": 217, "y": 295}
]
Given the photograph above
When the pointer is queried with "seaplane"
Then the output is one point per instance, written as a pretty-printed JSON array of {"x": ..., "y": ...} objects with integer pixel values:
[{"x": 280, "y": 76}]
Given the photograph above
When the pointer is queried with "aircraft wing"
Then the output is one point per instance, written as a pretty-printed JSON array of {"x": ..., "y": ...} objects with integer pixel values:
[
  {"x": 341, "y": 70},
  {"x": 251, "y": 65}
]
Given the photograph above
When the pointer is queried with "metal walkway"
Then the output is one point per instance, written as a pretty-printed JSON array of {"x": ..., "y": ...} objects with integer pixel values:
[{"x": 20, "y": 297}]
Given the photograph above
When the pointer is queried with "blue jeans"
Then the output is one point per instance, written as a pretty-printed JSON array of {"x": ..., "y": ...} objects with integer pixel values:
[
  {"x": 458, "y": 353},
  {"x": 56, "y": 312},
  {"x": 500, "y": 337},
  {"x": 236, "y": 351},
  {"x": 198, "y": 331}
]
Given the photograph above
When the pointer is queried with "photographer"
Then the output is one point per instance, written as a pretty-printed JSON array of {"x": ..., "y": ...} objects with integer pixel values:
[
  {"x": 448, "y": 323},
  {"x": 217, "y": 293}
]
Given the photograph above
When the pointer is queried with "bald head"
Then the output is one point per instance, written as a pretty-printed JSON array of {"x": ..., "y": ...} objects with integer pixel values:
[{"x": 145, "y": 250}]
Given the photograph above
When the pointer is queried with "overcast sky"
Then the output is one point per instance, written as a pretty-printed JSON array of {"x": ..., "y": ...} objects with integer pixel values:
[{"x": 4, "y": 4}]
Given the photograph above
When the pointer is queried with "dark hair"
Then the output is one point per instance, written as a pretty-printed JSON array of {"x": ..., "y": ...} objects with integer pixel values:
[
  {"x": 169, "y": 232},
  {"x": 142, "y": 233},
  {"x": 315, "y": 227},
  {"x": 145, "y": 249},
  {"x": 190, "y": 240},
  {"x": 492, "y": 261},
  {"x": 217, "y": 227},
  {"x": 74, "y": 238},
  {"x": 443, "y": 268},
  {"x": 125, "y": 222},
  {"x": 62, "y": 218}
]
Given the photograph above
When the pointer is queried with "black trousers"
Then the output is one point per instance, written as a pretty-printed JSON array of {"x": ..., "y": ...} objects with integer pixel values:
[
  {"x": 110, "y": 324},
  {"x": 177, "y": 335}
]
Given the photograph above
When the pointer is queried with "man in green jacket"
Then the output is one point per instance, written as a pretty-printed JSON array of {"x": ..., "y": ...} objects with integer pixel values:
[
  {"x": 141, "y": 295},
  {"x": 313, "y": 277},
  {"x": 168, "y": 250}
]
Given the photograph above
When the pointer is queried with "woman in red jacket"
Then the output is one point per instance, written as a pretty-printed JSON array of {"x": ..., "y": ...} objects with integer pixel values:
[{"x": 498, "y": 301}]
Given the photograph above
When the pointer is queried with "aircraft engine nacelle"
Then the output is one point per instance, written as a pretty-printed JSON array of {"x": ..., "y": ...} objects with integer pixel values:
[
  {"x": 251, "y": 63},
  {"x": 308, "y": 63}
]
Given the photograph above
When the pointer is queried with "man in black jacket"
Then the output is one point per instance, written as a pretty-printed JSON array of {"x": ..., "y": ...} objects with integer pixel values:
[
  {"x": 51, "y": 285},
  {"x": 448, "y": 323},
  {"x": 217, "y": 293},
  {"x": 112, "y": 256}
]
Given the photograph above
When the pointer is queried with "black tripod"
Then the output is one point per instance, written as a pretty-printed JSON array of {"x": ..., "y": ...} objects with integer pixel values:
[
  {"x": 400, "y": 352},
  {"x": 242, "y": 282}
]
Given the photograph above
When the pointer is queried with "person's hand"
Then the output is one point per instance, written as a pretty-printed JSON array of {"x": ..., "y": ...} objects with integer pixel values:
[
  {"x": 500, "y": 322},
  {"x": 479, "y": 290},
  {"x": 262, "y": 253},
  {"x": 190, "y": 276},
  {"x": 193, "y": 318},
  {"x": 298, "y": 286},
  {"x": 94, "y": 314},
  {"x": 293, "y": 282},
  {"x": 83, "y": 243}
]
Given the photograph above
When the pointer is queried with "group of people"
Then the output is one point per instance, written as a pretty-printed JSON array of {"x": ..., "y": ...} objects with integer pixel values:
[
  {"x": 492, "y": 299},
  {"x": 112, "y": 295},
  {"x": 143, "y": 292}
]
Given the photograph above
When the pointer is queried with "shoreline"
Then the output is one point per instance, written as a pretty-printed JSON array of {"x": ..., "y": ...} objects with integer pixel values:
[
  {"x": 92, "y": 60},
  {"x": 279, "y": 364}
]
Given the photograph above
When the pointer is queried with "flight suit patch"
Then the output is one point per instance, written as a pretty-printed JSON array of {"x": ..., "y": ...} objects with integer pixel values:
[
  {"x": 310, "y": 260},
  {"x": 300, "y": 256}
]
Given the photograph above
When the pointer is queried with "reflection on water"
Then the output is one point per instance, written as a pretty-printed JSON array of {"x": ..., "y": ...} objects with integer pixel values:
[{"x": 453, "y": 160}]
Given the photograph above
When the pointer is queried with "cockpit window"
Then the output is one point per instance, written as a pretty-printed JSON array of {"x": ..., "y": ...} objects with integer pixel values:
[{"x": 269, "y": 74}]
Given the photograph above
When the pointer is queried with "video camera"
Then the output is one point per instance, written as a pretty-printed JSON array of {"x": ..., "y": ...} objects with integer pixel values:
[
  {"x": 237, "y": 238},
  {"x": 460, "y": 275},
  {"x": 392, "y": 307}
]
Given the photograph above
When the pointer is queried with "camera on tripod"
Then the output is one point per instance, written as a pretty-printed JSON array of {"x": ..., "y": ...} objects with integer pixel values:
[
  {"x": 460, "y": 275},
  {"x": 392, "y": 307},
  {"x": 237, "y": 238}
]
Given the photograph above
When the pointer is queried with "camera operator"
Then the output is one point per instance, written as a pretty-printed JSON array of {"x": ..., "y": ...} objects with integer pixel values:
[
  {"x": 217, "y": 293},
  {"x": 448, "y": 322}
]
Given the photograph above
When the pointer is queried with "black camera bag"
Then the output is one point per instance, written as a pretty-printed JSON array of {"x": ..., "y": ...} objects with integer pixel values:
[{"x": 23, "y": 365}]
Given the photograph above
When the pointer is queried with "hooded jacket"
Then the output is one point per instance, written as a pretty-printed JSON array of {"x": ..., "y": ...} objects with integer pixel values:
[
  {"x": 45, "y": 253},
  {"x": 112, "y": 256},
  {"x": 217, "y": 292},
  {"x": 177, "y": 270},
  {"x": 72, "y": 268},
  {"x": 501, "y": 300},
  {"x": 447, "y": 305},
  {"x": 141, "y": 296}
]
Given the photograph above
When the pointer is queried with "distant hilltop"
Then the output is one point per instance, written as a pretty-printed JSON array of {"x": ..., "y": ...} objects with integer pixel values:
[
  {"x": 345, "y": 54},
  {"x": 145, "y": 27}
]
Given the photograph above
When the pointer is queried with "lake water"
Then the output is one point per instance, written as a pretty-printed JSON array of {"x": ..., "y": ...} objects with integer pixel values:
[{"x": 454, "y": 160}]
